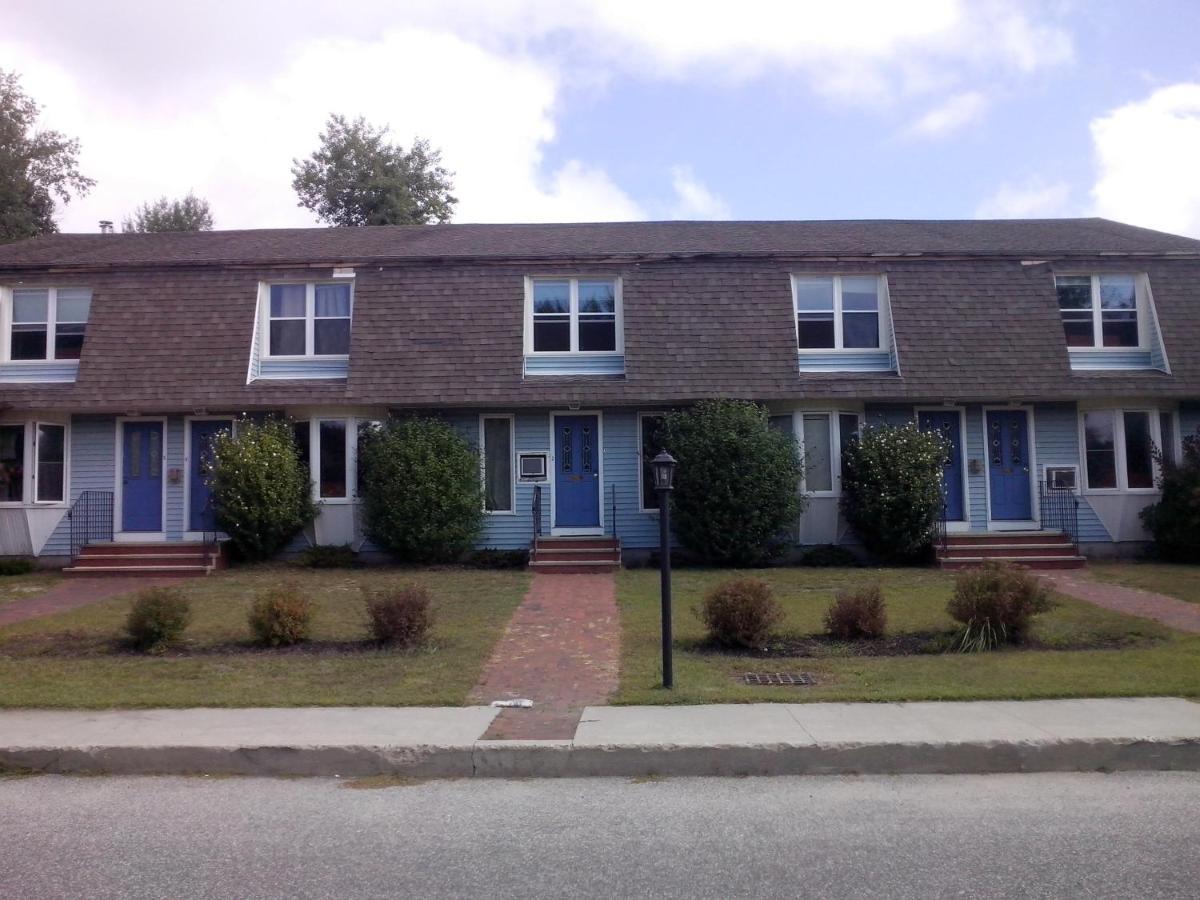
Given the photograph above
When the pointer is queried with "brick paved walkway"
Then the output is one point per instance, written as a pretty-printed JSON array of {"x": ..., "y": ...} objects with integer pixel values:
[
  {"x": 72, "y": 593},
  {"x": 561, "y": 650},
  {"x": 1170, "y": 611}
]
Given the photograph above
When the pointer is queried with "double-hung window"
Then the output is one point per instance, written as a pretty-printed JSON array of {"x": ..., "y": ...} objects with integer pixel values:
[
  {"x": 496, "y": 454},
  {"x": 48, "y": 323},
  {"x": 837, "y": 312},
  {"x": 306, "y": 320},
  {"x": 1099, "y": 310},
  {"x": 574, "y": 315},
  {"x": 824, "y": 438},
  {"x": 46, "y": 480},
  {"x": 1119, "y": 449}
]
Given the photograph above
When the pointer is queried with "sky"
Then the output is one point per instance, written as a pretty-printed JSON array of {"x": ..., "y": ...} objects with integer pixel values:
[{"x": 595, "y": 110}]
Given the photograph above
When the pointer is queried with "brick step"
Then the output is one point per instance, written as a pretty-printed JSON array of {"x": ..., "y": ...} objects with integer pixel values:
[
  {"x": 1029, "y": 562},
  {"x": 134, "y": 571},
  {"x": 581, "y": 552},
  {"x": 574, "y": 567},
  {"x": 559, "y": 543},
  {"x": 989, "y": 550},
  {"x": 139, "y": 549},
  {"x": 1008, "y": 538},
  {"x": 145, "y": 559}
]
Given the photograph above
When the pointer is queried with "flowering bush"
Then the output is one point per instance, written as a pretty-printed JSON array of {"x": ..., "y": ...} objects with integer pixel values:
[
  {"x": 1175, "y": 519},
  {"x": 262, "y": 492},
  {"x": 421, "y": 490},
  {"x": 737, "y": 492},
  {"x": 892, "y": 490}
]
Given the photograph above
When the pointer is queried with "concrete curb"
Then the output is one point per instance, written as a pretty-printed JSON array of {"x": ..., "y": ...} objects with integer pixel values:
[{"x": 565, "y": 759}]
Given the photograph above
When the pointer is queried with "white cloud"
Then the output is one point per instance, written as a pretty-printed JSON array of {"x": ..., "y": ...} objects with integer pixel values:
[
  {"x": 957, "y": 112},
  {"x": 1147, "y": 157},
  {"x": 1029, "y": 200},
  {"x": 693, "y": 200}
]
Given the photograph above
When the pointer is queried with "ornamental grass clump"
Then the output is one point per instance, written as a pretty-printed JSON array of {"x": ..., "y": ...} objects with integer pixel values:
[
  {"x": 157, "y": 618},
  {"x": 857, "y": 614},
  {"x": 740, "y": 612},
  {"x": 400, "y": 617},
  {"x": 995, "y": 605},
  {"x": 281, "y": 616}
]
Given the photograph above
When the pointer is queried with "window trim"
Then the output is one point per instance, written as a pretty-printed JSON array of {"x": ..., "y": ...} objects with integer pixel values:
[
  {"x": 512, "y": 458},
  {"x": 883, "y": 312},
  {"x": 6, "y": 323},
  {"x": 573, "y": 313},
  {"x": 835, "y": 445},
  {"x": 310, "y": 317},
  {"x": 29, "y": 475},
  {"x": 1141, "y": 299},
  {"x": 1120, "y": 459}
]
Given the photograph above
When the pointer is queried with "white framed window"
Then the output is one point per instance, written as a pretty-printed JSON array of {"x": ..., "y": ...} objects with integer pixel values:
[
  {"x": 46, "y": 324},
  {"x": 823, "y": 438},
  {"x": 328, "y": 446},
  {"x": 305, "y": 320},
  {"x": 1101, "y": 311},
  {"x": 838, "y": 312},
  {"x": 33, "y": 463},
  {"x": 496, "y": 459},
  {"x": 1118, "y": 448},
  {"x": 573, "y": 316}
]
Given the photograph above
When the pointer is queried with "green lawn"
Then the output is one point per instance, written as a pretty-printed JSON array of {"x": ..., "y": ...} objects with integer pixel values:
[
  {"x": 1158, "y": 661},
  {"x": 76, "y": 659},
  {"x": 1172, "y": 579},
  {"x": 18, "y": 587}
]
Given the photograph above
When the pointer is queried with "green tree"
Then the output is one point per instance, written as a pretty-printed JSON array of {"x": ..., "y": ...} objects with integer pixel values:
[
  {"x": 892, "y": 490},
  {"x": 192, "y": 213},
  {"x": 421, "y": 490},
  {"x": 737, "y": 494},
  {"x": 36, "y": 166},
  {"x": 357, "y": 178},
  {"x": 262, "y": 491}
]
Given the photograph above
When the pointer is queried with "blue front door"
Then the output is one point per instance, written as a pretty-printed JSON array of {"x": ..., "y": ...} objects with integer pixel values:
[
  {"x": 577, "y": 472},
  {"x": 200, "y": 513},
  {"x": 142, "y": 476},
  {"x": 946, "y": 423},
  {"x": 1007, "y": 433}
]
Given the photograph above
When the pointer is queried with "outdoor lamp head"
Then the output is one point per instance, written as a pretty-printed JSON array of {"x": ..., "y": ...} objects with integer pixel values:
[{"x": 664, "y": 471}]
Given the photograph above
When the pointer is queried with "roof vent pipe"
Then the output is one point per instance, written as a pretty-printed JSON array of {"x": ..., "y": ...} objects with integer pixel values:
[{"x": 106, "y": 226}]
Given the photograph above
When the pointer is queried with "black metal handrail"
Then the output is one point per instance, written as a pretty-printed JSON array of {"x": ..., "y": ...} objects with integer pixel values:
[
  {"x": 943, "y": 528},
  {"x": 1059, "y": 508},
  {"x": 612, "y": 492},
  {"x": 537, "y": 511},
  {"x": 91, "y": 517}
]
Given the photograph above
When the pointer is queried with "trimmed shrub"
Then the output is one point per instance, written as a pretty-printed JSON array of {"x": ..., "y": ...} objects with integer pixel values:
[
  {"x": 737, "y": 490},
  {"x": 995, "y": 605},
  {"x": 830, "y": 556},
  {"x": 421, "y": 490},
  {"x": 892, "y": 490},
  {"x": 262, "y": 491},
  {"x": 1175, "y": 519},
  {"x": 856, "y": 614},
  {"x": 327, "y": 556},
  {"x": 400, "y": 617},
  {"x": 281, "y": 616},
  {"x": 740, "y": 612},
  {"x": 17, "y": 566},
  {"x": 157, "y": 617}
]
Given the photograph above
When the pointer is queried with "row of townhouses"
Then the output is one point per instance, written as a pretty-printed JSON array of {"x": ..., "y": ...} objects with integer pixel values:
[{"x": 1059, "y": 353}]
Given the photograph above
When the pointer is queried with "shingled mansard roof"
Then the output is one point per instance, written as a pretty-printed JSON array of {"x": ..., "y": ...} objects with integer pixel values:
[{"x": 438, "y": 316}]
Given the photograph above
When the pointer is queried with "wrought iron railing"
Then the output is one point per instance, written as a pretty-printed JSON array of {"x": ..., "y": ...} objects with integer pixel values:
[
  {"x": 612, "y": 492},
  {"x": 537, "y": 511},
  {"x": 210, "y": 530},
  {"x": 1059, "y": 508},
  {"x": 943, "y": 528},
  {"x": 91, "y": 518}
]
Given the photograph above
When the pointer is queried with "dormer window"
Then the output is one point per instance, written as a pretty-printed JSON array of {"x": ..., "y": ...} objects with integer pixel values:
[
  {"x": 1099, "y": 310},
  {"x": 307, "y": 320},
  {"x": 573, "y": 316},
  {"x": 47, "y": 324},
  {"x": 837, "y": 312}
]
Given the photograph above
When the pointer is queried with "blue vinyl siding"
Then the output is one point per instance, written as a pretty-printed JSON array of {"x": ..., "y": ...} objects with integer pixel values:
[
  {"x": 1094, "y": 360},
  {"x": 977, "y": 483},
  {"x": 63, "y": 372},
  {"x": 840, "y": 361},
  {"x": 283, "y": 369},
  {"x": 1158, "y": 351},
  {"x": 1056, "y": 427},
  {"x": 93, "y": 468},
  {"x": 575, "y": 365}
]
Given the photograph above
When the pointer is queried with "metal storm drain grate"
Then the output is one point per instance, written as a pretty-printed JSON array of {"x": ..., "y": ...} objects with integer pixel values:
[{"x": 778, "y": 678}]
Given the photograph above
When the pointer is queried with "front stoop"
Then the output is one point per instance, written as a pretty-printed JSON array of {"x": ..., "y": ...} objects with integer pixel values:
[
  {"x": 1031, "y": 549},
  {"x": 575, "y": 555},
  {"x": 148, "y": 559}
]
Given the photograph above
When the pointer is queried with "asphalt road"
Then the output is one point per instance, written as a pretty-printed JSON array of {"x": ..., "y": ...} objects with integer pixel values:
[{"x": 1129, "y": 835}]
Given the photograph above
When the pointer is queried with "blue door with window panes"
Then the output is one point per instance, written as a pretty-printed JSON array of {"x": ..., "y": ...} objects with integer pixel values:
[
  {"x": 946, "y": 424},
  {"x": 141, "y": 476},
  {"x": 1007, "y": 433},
  {"x": 201, "y": 516},
  {"x": 577, "y": 472}
]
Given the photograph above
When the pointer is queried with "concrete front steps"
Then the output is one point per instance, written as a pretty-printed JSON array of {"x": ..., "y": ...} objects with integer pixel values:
[
  {"x": 1032, "y": 549},
  {"x": 575, "y": 555},
  {"x": 148, "y": 559}
]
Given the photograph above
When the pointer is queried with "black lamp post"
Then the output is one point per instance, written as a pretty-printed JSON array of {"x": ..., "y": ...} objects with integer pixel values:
[{"x": 663, "y": 467}]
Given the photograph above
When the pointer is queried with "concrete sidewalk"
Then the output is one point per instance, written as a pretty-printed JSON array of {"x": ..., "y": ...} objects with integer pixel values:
[{"x": 751, "y": 739}]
